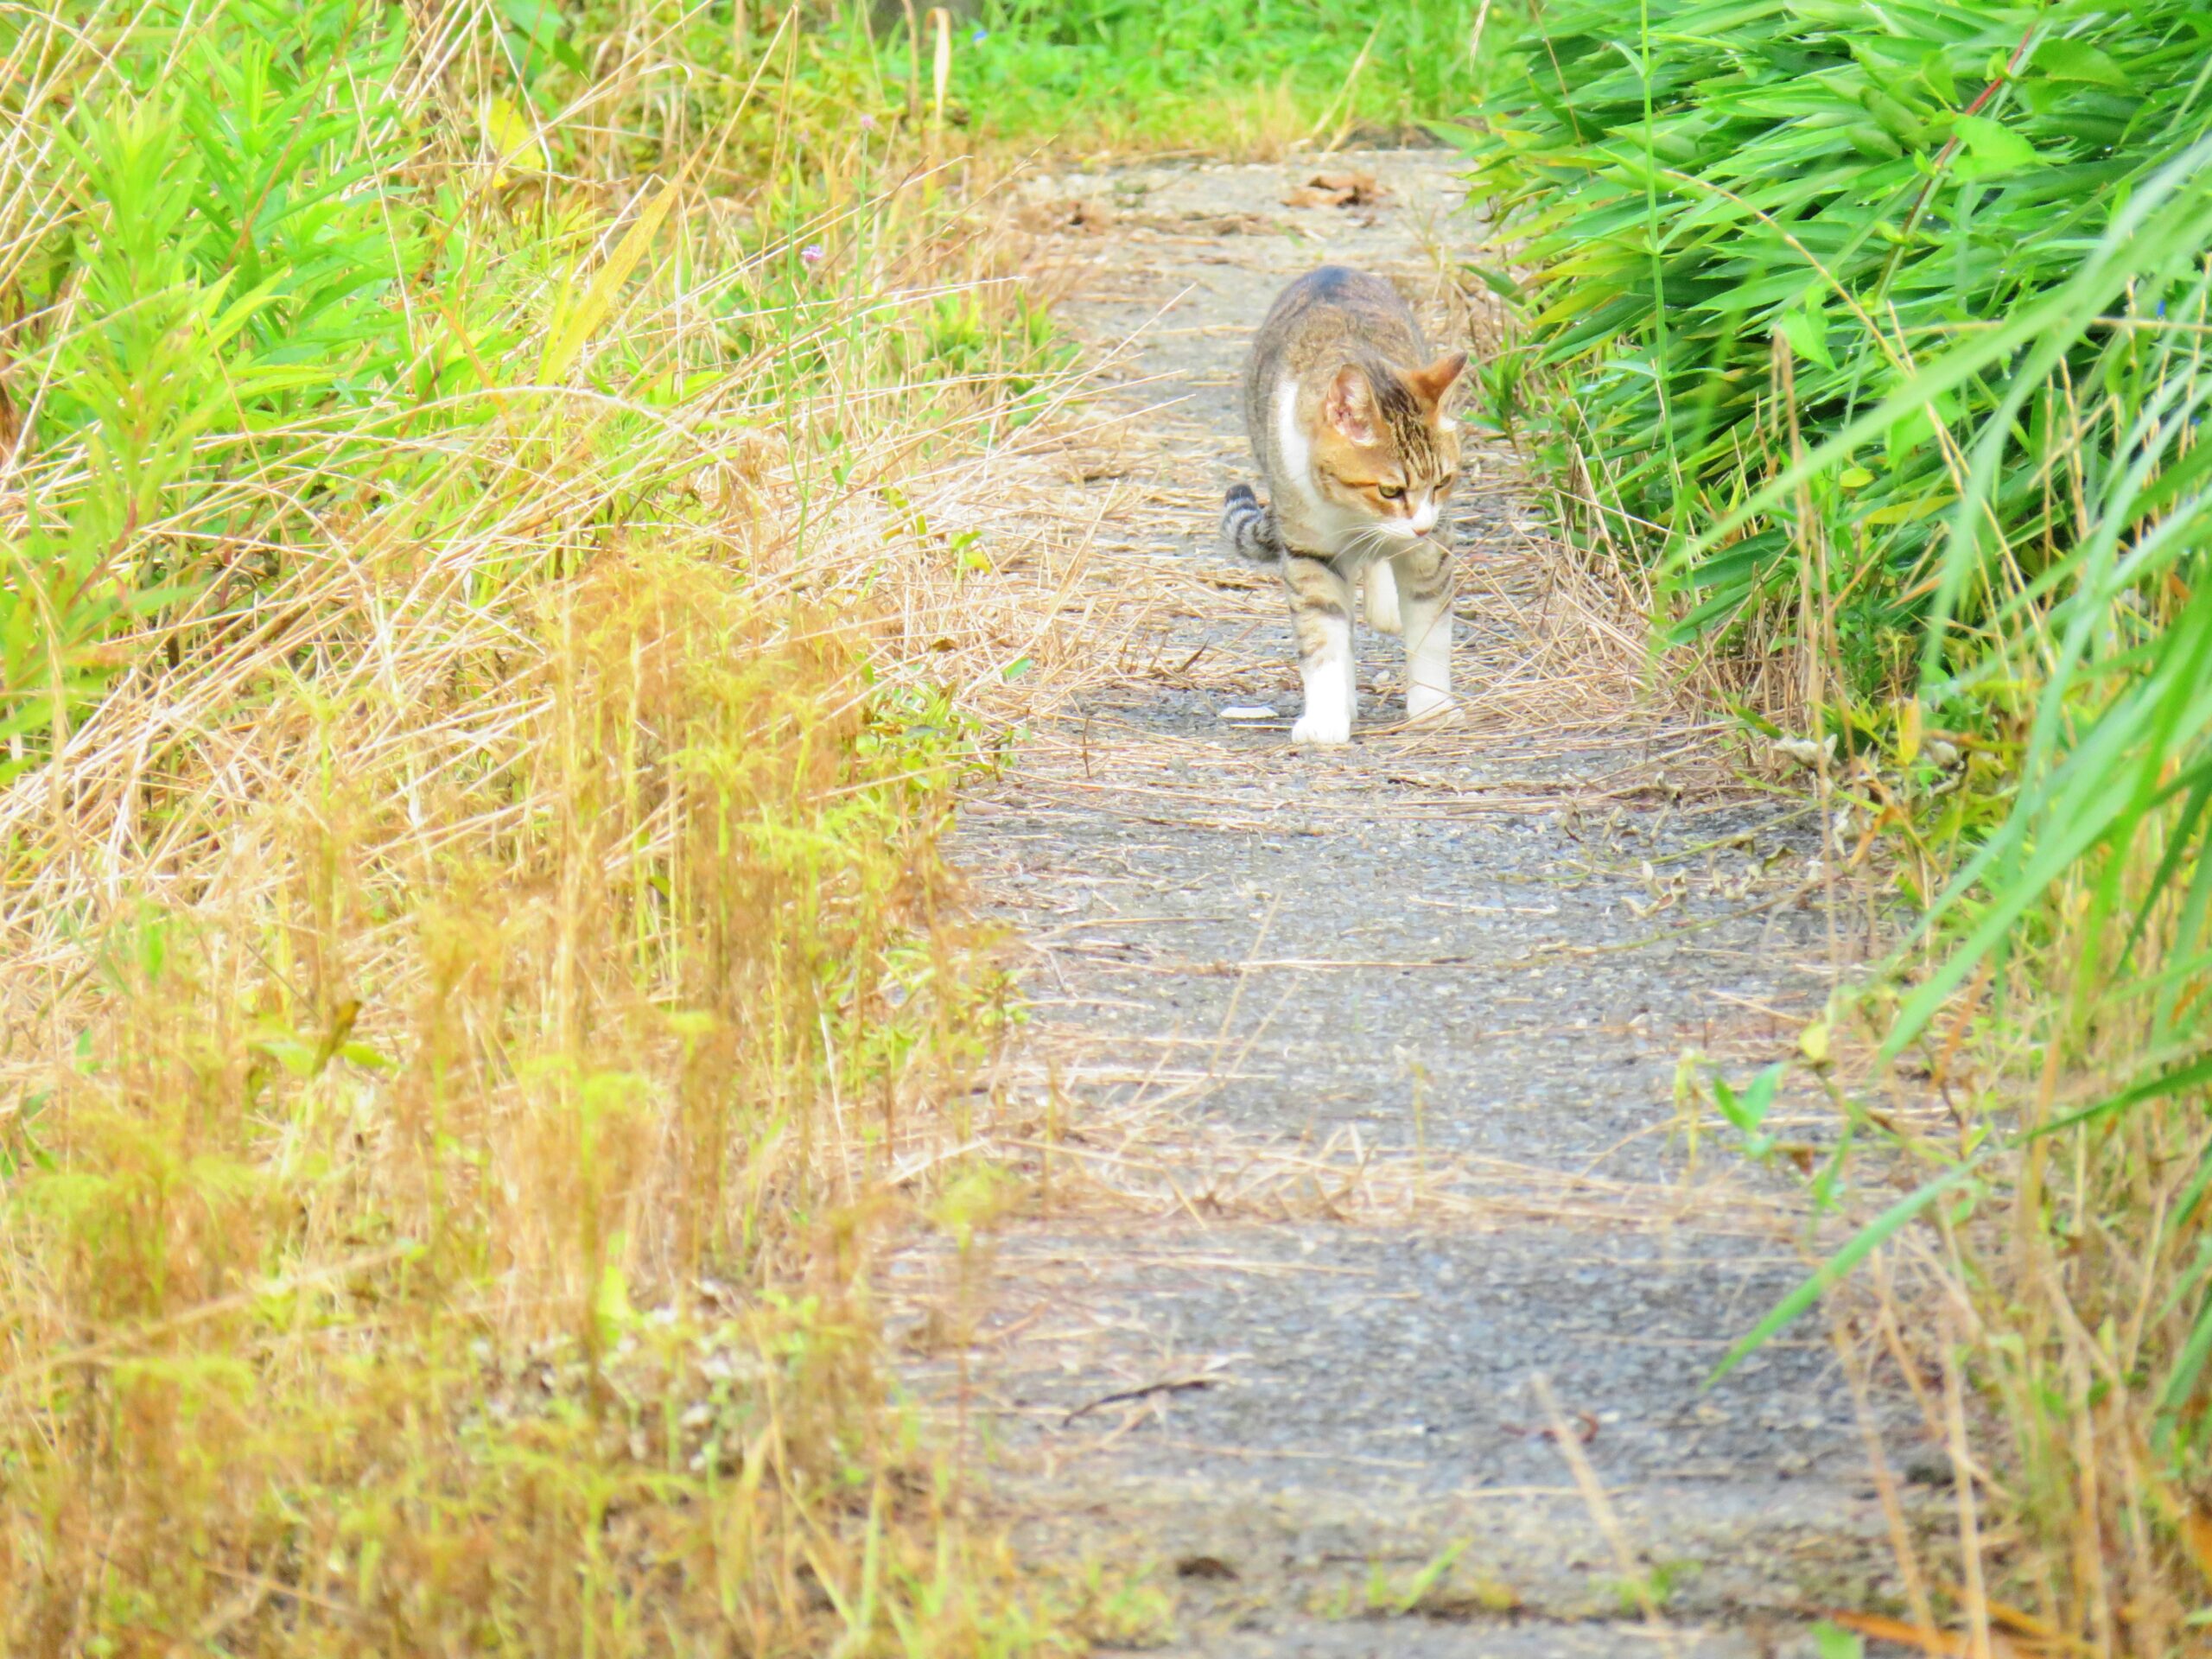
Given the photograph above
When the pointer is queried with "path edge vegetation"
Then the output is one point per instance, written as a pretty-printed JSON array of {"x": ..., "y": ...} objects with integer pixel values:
[
  {"x": 500, "y": 517},
  {"x": 1868, "y": 343},
  {"x": 491, "y": 629}
]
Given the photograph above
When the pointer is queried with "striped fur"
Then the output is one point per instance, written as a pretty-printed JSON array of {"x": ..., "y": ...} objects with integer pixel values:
[
  {"x": 1346, "y": 410},
  {"x": 1248, "y": 529}
]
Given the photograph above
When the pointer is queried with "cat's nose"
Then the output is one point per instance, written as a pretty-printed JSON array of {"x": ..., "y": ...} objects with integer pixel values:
[{"x": 1425, "y": 516}]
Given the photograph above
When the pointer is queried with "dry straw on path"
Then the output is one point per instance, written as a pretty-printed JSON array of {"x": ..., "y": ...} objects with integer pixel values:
[{"x": 1348, "y": 1094}]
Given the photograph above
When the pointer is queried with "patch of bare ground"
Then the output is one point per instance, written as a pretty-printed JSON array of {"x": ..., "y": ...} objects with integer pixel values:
[{"x": 1375, "y": 1269}]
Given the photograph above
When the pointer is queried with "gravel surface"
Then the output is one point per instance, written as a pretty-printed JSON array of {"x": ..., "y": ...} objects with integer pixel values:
[{"x": 1357, "y": 1067}]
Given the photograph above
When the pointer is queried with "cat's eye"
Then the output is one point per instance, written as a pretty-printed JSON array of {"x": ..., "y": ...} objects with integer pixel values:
[{"x": 1391, "y": 491}]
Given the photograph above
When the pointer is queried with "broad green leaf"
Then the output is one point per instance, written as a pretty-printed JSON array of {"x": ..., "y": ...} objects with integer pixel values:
[
  {"x": 1993, "y": 145},
  {"x": 1935, "y": 70},
  {"x": 2072, "y": 60},
  {"x": 1808, "y": 335},
  {"x": 512, "y": 138},
  {"x": 611, "y": 1307},
  {"x": 536, "y": 18}
]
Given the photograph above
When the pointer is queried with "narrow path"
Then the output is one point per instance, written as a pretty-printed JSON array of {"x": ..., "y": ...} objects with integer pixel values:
[{"x": 1356, "y": 1068}]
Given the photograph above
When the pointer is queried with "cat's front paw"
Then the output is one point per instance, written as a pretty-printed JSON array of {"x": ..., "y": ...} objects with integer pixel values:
[{"x": 1327, "y": 729}]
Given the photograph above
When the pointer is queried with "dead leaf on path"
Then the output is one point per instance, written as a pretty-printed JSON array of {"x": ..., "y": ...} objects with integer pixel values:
[
  {"x": 1947, "y": 1644},
  {"x": 1337, "y": 190},
  {"x": 2197, "y": 1528},
  {"x": 1212, "y": 1374},
  {"x": 1084, "y": 217},
  {"x": 1204, "y": 1566},
  {"x": 2043, "y": 1636},
  {"x": 1584, "y": 1427},
  {"x": 1233, "y": 224}
]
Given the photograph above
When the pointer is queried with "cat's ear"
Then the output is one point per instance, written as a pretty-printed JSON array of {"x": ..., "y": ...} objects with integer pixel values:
[
  {"x": 1431, "y": 384},
  {"x": 1349, "y": 405}
]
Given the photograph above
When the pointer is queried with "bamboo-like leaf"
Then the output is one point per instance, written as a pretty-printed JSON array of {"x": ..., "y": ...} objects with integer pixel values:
[
  {"x": 1839, "y": 1268},
  {"x": 1986, "y": 468},
  {"x": 563, "y": 349}
]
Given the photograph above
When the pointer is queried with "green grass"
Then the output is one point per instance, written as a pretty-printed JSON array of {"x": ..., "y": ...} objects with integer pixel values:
[
  {"x": 1211, "y": 76},
  {"x": 492, "y": 631},
  {"x": 480, "y": 681},
  {"x": 1874, "y": 339}
]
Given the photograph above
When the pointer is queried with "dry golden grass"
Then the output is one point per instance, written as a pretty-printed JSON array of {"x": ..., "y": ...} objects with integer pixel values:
[{"x": 481, "y": 989}]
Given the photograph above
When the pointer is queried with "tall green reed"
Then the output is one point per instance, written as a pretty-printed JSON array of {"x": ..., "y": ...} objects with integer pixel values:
[{"x": 1897, "y": 396}]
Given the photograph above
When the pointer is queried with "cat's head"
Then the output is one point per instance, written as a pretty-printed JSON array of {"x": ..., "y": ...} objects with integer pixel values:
[{"x": 1383, "y": 447}]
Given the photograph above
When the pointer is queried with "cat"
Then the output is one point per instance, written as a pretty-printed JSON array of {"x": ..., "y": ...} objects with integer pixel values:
[{"x": 1346, "y": 410}]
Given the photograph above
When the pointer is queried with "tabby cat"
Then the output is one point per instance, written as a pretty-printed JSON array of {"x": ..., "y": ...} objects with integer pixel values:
[{"x": 1346, "y": 410}]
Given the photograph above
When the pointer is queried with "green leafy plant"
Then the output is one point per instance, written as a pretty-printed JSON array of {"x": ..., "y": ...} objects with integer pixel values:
[
  {"x": 471, "y": 815},
  {"x": 1873, "y": 340},
  {"x": 1263, "y": 75}
]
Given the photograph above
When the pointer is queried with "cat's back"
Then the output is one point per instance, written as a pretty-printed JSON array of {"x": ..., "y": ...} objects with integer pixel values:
[
  {"x": 1330, "y": 316},
  {"x": 1335, "y": 304}
]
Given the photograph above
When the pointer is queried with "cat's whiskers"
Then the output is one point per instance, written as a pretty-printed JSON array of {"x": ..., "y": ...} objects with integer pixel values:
[{"x": 1382, "y": 539}]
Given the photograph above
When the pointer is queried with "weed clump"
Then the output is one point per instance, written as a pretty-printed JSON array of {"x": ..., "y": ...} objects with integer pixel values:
[
  {"x": 483, "y": 703},
  {"x": 1876, "y": 354}
]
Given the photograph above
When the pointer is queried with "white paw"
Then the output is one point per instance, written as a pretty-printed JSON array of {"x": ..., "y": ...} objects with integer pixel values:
[
  {"x": 1382, "y": 609},
  {"x": 1330, "y": 728},
  {"x": 1426, "y": 706}
]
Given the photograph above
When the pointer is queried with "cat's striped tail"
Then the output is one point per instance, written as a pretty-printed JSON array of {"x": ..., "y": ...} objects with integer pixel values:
[{"x": 1249, "y": 529}]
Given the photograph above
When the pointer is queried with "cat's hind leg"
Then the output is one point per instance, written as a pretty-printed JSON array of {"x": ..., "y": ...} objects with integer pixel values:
[
  {"x": 1424, "y": 584},
  {"x": 1383, "y": 598},
  {"x": 1320, "y": 615}
]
